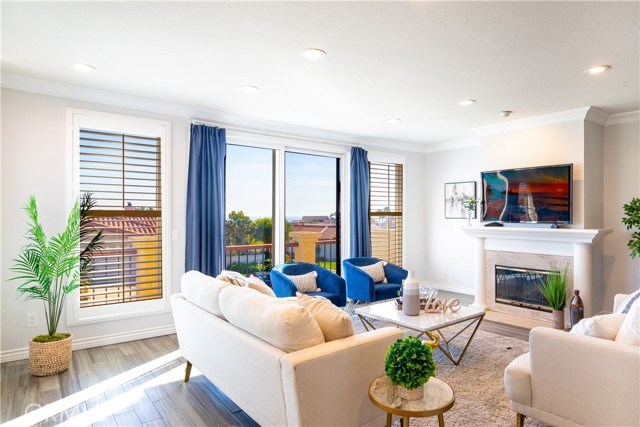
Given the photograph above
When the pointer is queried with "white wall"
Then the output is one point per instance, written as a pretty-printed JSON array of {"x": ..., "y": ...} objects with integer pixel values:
[
  {"x": 621, "y": 165},
  {"x": 36, "y": 159},
  {"x": 450, "y": 254}
]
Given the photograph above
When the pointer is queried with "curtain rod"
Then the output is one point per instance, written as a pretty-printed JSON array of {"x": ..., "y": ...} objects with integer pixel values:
[{"x": 274, "y": 134}]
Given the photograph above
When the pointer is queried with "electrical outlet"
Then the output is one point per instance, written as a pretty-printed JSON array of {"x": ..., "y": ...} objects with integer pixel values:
[{"x": 32, "y": 320}]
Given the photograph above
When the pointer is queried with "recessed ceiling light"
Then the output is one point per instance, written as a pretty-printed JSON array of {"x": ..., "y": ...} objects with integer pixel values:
[
  {"x": 467, "y": 102},
  {"x": 599, "y": 69},
  {"x": 249, "y": 88},
  {"x": 313, "y": 53},
  {"x": 84, "y": 68},
  {"x": 505, "y": 113},
  {"x": 394, "y": 120}
]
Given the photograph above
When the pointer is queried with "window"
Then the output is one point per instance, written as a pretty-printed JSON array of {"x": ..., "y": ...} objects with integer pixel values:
[
  {"x": 385, "y": 211},
  {"x": 120, "y": 161},
  {"x": 282, "y": 204}
]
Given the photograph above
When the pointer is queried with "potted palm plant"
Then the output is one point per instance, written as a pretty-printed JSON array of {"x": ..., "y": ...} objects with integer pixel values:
[
  {"x": 409, "y": 365},
  {"x": 49, "y": 270},
  {"x": 554, "y": 289}
]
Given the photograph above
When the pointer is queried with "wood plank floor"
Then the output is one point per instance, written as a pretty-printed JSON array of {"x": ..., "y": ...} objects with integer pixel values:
[{"x": 138, "y": 383}]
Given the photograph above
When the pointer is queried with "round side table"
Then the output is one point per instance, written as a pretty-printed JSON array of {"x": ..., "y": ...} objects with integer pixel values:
[{"x": 438, "y": 399}]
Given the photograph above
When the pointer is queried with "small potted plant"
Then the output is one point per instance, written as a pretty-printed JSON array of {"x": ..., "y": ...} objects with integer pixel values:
[
  {"x": 409, "y": 365},
  {"x": 470, "y": 205},
  {"x": 554, "y": 289}
]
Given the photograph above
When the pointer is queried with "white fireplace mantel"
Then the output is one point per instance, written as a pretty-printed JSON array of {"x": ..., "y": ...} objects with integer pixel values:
[{"x": 582, "y": 241}]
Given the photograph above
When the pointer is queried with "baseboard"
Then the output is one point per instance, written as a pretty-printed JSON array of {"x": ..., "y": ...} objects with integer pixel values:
[
  {"x": 82, "y": 343},
  {"x": 450, "y": 288}
]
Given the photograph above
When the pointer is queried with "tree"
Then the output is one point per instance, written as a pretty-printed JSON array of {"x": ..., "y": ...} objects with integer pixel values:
[
  {"x": 239, "y": 229},
  {"x": 263, "y": 230}
]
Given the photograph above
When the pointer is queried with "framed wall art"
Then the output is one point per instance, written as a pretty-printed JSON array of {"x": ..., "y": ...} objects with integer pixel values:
[{"x": 455, "y": 193}]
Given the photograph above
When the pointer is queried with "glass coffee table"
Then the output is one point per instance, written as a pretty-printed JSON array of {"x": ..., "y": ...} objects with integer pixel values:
[
  {"x": 467, "y": 317},
  {"x": 438, "y": 398}
]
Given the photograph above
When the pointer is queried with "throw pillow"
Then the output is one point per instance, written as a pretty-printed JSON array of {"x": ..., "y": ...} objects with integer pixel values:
[
  {"x": 283, "y": 324},
  {"x": 305, "y": 282},
  {"x": 260, "y": 286},
  {"x": 232, "y": 277},
  {"x": 629, "y": 332},
  {"x": 203, "y": 291},
  {"x": 334, "y": 322},
  {"x": 628, "y": 302},
  {"x": 605, "y": 326},
  {"x": 376, "y": 271}
]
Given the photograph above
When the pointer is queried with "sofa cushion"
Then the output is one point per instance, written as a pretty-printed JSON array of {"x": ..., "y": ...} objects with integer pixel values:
[
  {"x": 628, "y": 302},
  {"x": 232, "y": 277},
  {"x": 255, "y": 283},
  {"x": 376, "y": 271},
  {"x": 605, "y": 326},
  {"x": 203, "y": 291},
  {"x": 305, "y": 282},
  {"x": 629, "y": 332},
  {"x": 334, "y": 322},
  {"x": 281, "y": 323}
]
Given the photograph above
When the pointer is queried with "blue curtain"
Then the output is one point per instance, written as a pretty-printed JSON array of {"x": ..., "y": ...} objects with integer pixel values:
[
  {"x": 360, "y": 236},
  {"x": 205, "y": 237}
]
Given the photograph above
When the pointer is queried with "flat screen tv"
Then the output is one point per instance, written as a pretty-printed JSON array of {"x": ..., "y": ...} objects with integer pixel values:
[{"x": 529, "y": 195}]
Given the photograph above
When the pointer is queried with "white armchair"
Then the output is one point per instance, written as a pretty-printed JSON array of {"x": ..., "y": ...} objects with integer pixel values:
[{"x": 575, "y": 380}]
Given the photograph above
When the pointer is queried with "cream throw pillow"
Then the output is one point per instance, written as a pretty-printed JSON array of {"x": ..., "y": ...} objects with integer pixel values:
[
  {"x": 334, "y": 322},
  {"x": 260, "y": 286},
  {"x": 605, "y": 326},
  {"x": 629, "y": 332},
  {"x": 306, "y": 282},
  {"x": 628, "y": 302},
  {"x": 283, "y": 324},
  {"x": 232, "y": 277},
  {"x": 376, "y": 271},
  {"x": 203, "y": 291}
]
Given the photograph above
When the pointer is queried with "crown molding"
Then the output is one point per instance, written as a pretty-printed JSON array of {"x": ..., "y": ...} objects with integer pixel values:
[
  {"x": 589, "y": 114},
  {"x": 452, "y": 145},
  {"x": 131, "y": 102},
  {"x": 621, "y": 118}
]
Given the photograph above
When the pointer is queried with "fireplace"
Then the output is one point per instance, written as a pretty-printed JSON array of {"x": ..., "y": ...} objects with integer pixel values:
[{"x": 519, "y": 287}]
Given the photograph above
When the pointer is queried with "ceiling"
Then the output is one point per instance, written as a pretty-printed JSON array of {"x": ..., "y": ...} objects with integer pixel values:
[{"x": 407, "y": 60}]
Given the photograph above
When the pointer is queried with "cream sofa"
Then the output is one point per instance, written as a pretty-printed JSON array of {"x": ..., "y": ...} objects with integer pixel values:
[
  {"x": 322, "y": 385},
  {"x": 568, "y": 379}
]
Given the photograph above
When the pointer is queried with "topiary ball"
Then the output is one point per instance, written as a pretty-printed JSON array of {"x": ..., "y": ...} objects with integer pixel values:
[{"x": 409, "y": 363}]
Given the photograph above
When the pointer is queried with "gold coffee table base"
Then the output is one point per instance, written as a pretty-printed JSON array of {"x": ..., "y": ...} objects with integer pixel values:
[{"x": 438, "y": 398}]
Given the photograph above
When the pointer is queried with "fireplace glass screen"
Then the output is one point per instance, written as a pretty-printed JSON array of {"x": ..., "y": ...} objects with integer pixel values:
[{"x": 520, "y": 287}]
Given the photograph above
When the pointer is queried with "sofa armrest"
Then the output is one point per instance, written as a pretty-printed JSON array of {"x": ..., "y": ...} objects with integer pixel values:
[
  {"x": 327, "y": 385},
  {"x": 281, "y": 285},
  {"x": 588, "y": 380},
  {"x": 331, "y": 282}
]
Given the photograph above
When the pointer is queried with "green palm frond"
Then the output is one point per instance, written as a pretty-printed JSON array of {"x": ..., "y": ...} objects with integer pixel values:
[{"x": 49, "y": 269}]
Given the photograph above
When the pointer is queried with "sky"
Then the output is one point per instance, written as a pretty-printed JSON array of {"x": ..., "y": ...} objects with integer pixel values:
[{"x": 310, "y": 183}]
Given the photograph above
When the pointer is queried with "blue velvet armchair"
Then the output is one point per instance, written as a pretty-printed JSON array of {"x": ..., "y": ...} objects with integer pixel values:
[
  {"x": 360, "y": 285},
  {"x": 333, "y": 286}
]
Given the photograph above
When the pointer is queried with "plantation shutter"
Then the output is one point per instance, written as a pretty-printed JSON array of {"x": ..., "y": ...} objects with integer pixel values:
[
  {"x": 123, "y": 173},
  {"x": 385, "y": 211}
]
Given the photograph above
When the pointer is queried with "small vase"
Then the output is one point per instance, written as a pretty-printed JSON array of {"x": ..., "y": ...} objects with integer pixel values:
[
  {"x": 469, "y": 217},
  {"x": 576, "y": 312},
  {"x": 410, "y": 295},
  {"x": 558, "y": 319},
  {"x": 415, "y": 394}
]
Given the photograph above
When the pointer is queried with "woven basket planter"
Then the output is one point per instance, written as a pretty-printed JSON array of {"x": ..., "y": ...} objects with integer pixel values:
[
  {"x": 50, "y": 358},
  {"x": 414, "y": 394}
]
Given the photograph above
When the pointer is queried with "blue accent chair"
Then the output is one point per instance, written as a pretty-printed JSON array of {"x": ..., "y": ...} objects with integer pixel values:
[
  {"x": 333, "y": 286},
  {"x": 360, "y": 285}
]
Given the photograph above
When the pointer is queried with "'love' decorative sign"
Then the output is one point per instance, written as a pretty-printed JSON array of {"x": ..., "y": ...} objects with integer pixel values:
[{"x": 435, "y": 305}]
